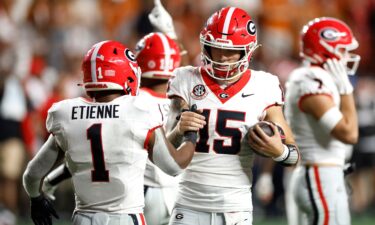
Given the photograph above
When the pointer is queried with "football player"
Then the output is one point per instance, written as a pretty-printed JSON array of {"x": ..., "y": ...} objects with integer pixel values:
[
  {"x": 106, "y": 140},
  {"x": 216, "y": 187},
  {"x": 322, "y": 115},
  {"x": 158, "y": 55}
]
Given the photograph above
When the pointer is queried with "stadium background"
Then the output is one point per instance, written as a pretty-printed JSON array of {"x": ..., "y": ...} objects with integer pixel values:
[{"x": 47, "y": 40}]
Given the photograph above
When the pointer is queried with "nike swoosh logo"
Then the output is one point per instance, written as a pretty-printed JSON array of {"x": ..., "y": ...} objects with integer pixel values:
[
  {"x": 246, "y": 95},
  {"x": 243, "y": 220}
]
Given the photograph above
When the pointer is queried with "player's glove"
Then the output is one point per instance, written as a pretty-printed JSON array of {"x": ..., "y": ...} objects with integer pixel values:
[
  {"x": 162, "y": 20},
  {"x": 42, "y": 211},
  {"x": 338, "y": 71},
  {"x": 191, "y": 135}
]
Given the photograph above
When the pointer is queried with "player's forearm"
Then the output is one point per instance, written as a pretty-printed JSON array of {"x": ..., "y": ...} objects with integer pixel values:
[
  {"x": 347, "y": 128},
  {"x": 184, "y": 154},
  {"x": 163, "y": 154},
  {"x": 39, "y": 166},
  {"x": 175, "y": 137}
]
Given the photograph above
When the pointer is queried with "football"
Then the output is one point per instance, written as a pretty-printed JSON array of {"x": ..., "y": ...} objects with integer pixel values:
[{"x": 267, "y": 129}]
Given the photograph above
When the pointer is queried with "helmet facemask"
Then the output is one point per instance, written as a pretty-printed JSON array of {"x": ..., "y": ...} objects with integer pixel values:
[{"x": 226, "y": 71}]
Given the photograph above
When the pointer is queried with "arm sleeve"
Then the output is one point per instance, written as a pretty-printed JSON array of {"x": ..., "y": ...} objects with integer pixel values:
[{"x": 39, "y": 166}]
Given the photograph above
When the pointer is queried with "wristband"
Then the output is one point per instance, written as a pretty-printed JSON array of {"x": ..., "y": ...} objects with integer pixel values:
[
  {"x": 190, "y": 136},
  {"x": 330, "y": 119},
  {"x": 283, "y": 155},
  {"x": 291, "y": 158}
]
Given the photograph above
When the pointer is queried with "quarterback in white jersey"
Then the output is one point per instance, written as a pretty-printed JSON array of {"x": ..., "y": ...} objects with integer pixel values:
[
  {"x": 216, "y": 187},
  {"x": 106, "y": 141},
  {"x": 321, "y": 112}
]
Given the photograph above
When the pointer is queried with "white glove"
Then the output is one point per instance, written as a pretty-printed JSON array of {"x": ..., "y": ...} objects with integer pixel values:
[
  {"x": 49, "y": 190},
  {"x": 264, "y": 187},
  {"x": 338, "y": 70},
  {"x": 162, "y": 20}
]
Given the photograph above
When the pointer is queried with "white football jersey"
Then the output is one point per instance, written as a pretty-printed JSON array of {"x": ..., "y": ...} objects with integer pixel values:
[
  {"x": 315, "y": 145},
  {"x": 219, "y": 177},
  {"x": 155, "y": 177},
  {"x": 104, "y": 145}
]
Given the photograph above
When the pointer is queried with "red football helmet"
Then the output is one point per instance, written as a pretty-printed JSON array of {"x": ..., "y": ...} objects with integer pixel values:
[
  {"x": 109, "y": 65},
  {"x": 324, "y": 38},
  {"x": 229, "y": 28},
  {"x": 157, "y": 55}
]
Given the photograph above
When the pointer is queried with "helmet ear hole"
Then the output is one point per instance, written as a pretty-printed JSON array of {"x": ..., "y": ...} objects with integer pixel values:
[{"x": 115, "y": 51}]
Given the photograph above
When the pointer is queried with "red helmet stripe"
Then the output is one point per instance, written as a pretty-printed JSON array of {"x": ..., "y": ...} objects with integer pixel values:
[
  {"x": 228, "y": 19},
  {"x": 167, "y": 51},
  {"x": 93, "y": 60}
]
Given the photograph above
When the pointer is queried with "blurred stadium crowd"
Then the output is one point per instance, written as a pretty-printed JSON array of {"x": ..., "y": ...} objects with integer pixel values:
[{"x": 42, "y": 43}]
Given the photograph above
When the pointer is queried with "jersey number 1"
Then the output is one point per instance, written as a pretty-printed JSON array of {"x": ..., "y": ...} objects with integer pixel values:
[{"x": 99, "y": 173}]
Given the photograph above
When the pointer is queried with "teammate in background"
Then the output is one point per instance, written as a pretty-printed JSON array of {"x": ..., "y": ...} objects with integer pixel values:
[
  {"x": 158, "y": 55},
  {"x": 321, "y": 112},
  {"x": 216, "y": 187},
  {"x": 106, "y": 140}
]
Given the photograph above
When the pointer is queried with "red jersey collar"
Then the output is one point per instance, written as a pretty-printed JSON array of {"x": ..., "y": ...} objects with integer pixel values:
[{"x": 227, "y": 93}]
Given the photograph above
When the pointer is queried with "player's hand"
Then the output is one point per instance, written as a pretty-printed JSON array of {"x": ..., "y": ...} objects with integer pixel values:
[
  {"x": 190, "y": 121},
  {"x": 49, "y": 190},
  {"x": 162, "y": 20},
  {"x": 270, "y": 146},
  {"x": 42, "y": 211},
  {"x": 340, "y": 76}
]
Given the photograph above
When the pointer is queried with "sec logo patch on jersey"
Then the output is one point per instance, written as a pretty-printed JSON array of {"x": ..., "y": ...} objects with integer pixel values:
[{"x": 199, "y": 92}]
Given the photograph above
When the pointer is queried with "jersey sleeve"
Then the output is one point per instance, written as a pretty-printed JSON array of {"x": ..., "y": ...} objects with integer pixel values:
[
  {"x": 145, "y": 103},
  {"x": 274, "y": 92},
  {"x": 313, "y": 83},
  {"x": 54, "y": 124},
  {"x": 178, "y": 85},
  {"x": 154, "y": 116}
]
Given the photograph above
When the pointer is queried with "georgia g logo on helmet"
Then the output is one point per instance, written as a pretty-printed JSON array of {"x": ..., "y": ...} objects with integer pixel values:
[
  {"x": 331, "y": 34},
  {"x": 129, "y": 54},
  {"x": 251, "y": 29}
]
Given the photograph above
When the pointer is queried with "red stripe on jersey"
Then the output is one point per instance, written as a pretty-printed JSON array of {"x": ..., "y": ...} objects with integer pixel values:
[
  {"x": 321, "y": 195},
  {"x": 231, "y": 90},
  {"x": 148, "y": 136},
  {"x": 142, "y": 219},
  {"x": 303, "y": 97}
]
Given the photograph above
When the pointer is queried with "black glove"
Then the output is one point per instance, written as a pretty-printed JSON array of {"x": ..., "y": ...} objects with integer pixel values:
[
  {"x": 42, "y": 211},
  {"x": 191, "y": 135}
]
